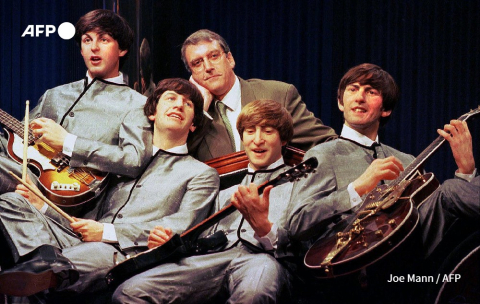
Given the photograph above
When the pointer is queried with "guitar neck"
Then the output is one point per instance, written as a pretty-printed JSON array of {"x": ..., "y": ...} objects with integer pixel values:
[
  {"x": 14, "y": 125},
  {"x": 415, "y": 165},
  {"x": 193, "y": 232}
]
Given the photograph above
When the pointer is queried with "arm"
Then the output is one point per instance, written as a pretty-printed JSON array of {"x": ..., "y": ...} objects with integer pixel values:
[
  {"x": 192, "y": 207},
  {"x": 308, "y": 130},
  {"x": 127, "y": 157}
]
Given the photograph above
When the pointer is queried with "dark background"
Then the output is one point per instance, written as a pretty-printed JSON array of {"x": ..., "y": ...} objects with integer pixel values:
[{"x": 430, "y": 47}]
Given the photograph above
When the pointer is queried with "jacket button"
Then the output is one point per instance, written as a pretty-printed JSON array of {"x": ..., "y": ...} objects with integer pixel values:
[
  {"x": 243, "y": 230},
  {"x": 71, "y": 114},
  {"x": 135, "y": 243},
  {"x": 120, "y": 216},
  {"x": 85, "y": 162}
]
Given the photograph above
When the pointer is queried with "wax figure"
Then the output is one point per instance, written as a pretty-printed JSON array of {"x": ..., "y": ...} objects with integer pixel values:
[
  {"x": 245, "y": 271},
  {"x": 355, "y": 163},
  {"x": 207, "y": 56},
  {"x": 175, "y": 190},
  {"x": 93, "y": 121}
]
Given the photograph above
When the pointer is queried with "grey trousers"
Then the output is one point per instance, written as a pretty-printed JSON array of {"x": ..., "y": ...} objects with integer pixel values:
[
  {"x": 456, "y": 199},
  {"x": 24, "y": 228},
  {"x": 232, "y": 276}
]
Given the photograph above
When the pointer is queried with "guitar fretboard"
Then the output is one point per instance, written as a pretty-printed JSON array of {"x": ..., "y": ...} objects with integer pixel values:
[{"x": 15, "y": 125}]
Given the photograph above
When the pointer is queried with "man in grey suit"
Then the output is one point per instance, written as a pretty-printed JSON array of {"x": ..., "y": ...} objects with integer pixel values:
[
  {"x": 92, "y": 122},
  {"x": 355, "y": 163},
  {"x": 174, "y": 190},
  {"x": 207, "y": 56},
  {"x": 245, "y": 271}
]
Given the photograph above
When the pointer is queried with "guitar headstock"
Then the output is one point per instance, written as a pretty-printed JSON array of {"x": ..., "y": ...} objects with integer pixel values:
[{"x": 300, "y": 170}]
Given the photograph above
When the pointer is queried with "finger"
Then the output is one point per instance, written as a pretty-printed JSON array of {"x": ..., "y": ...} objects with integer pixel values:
[{"x": 253, "y": 189}]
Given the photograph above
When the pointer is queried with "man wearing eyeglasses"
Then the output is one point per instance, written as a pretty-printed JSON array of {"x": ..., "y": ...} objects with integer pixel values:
[{"x": 207, "y": 56}]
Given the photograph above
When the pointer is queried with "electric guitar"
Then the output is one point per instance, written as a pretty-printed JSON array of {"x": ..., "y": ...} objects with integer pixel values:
[
  {"x": 188, "y": 243},
  {"x": 63, "y": 185},
  {"x": 386, "y": 218}
]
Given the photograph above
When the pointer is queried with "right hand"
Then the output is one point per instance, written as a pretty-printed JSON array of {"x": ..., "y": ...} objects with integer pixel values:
[
  {"x": 207, "y": 96},
  {"x": 28, "y": 195},
  {"x": 380, "y": 169},
  {"x": 159, "y": 236}
]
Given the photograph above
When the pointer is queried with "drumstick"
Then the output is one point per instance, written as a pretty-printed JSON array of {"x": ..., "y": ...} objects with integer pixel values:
[
  {"x": 25, "y": 143},
  {"x": 43, "y": 198}
]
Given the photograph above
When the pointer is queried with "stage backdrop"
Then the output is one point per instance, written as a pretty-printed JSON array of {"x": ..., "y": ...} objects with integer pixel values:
[{"x": 430, "y": 47}]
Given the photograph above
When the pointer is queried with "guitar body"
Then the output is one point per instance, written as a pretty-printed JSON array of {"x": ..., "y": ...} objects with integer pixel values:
[
  {"x": 63, "y": 185},
  {"x": 377, "y": 235}
]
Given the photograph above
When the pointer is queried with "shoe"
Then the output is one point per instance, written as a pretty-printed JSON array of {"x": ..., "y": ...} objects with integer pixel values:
[{"x": 47, "y": 268}]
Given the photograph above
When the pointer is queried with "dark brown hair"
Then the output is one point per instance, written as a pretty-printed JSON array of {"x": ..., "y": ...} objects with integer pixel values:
[
  {"x": 376, "y": 77},
  {"x": 103, "y": 21},
  {"x": 182, "y": 87}
]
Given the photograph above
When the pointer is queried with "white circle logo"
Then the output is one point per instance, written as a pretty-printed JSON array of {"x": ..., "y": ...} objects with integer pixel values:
[{"x": 66, "y": 30}]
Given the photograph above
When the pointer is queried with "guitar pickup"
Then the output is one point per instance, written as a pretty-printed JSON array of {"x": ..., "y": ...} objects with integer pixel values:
[{"x": 56, "y": 186}]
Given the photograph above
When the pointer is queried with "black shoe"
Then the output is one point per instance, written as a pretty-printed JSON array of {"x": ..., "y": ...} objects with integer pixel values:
[{"x": 47, "y": 268}]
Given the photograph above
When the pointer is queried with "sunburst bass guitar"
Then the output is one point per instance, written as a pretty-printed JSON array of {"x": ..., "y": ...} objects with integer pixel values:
[
  {"x": 385, "y": 219},
  {"x": 63, "y": 185}
]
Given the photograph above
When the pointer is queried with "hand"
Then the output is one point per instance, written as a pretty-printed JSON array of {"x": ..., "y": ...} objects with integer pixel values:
[
  {"x": 28, "y": 195},
  {"x": 253, "y": 207},
  {"x": 380, "y": 169},
  {"x": 90, "y": 230},
  {"x": 458, "y": 136},
  {"x": 159, "y": 236},
  {"x": 49, "y": 132},
  {"x": 207, "y": 96}
]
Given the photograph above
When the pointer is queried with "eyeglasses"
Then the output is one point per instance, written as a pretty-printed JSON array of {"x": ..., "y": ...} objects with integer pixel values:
[{"x": 212, "y": 57}]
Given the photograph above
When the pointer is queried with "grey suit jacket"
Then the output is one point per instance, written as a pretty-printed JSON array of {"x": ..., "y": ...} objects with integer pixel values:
[
  {"x": 279, "y": 198},
  {"x": 113, "y": 133},
  {"x": 322, "y": 196},
  {"x": 211, "y": 140}
]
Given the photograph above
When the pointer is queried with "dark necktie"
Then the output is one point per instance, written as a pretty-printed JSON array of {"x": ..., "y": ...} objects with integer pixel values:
[
  {"x": 222, "y": 110},
  {"x": 377, "y": 150}
]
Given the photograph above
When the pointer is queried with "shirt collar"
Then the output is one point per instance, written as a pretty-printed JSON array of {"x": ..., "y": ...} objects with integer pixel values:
[
  {"x": 272, "y": 165},
  {"x": 355, "y": 136},
  {"x": 177, "y": 150},
  {"x": 234, "y": 96},
  {"x": 117, "y": 79}
]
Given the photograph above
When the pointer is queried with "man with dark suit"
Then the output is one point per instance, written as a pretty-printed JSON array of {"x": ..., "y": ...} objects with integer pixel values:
[
  {"x": 174, "y": 190},
  {"x": 207, "y": 56}
]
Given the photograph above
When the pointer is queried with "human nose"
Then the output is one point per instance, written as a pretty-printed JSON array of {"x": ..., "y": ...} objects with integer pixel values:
[
  {"x": 94, "y": 45},
  {"x": 208, "y": 66},
  {"x": 258, "y": 139},
  {"x": 360, "y": 95},
  {"x": 178, "y": 103}
]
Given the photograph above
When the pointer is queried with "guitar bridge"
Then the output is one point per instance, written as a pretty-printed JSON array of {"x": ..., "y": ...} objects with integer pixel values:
[{"x": 56, "y": 186}]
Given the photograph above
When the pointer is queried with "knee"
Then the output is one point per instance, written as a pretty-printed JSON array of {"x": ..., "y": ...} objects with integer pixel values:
[{"x": 13, "y": 200}]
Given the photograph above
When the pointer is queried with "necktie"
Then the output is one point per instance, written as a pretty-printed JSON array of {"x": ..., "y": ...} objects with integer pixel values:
[
  {"x": 222, "y": 109},
  {"x": 377, "y": 150}
]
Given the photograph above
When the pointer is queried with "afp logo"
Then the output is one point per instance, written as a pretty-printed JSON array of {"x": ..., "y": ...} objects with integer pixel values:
[{"x": 66, "y": 30}]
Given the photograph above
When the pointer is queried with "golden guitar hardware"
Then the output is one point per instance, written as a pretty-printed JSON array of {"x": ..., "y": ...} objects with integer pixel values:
[{"x": 63, "y": 185}]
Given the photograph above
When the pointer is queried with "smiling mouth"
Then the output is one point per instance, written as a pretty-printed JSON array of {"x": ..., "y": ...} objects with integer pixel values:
[
  {"x": 176, "y": 116},
  {"x": 359, "y": 110},
  {"x": 259, "y": 151}
]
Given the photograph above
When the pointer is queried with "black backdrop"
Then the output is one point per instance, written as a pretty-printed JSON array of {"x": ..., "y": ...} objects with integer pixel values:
[{"x": 430, "y": 47}]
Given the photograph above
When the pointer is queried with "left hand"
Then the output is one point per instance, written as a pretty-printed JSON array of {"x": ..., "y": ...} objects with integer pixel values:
[
  {"x": 49, "y": 132},
  {"x": 253, "y": 207},
  {"x": 159, "y": 236},
  {"x": 90, "y": 230},
  {"x": 460, "y": 140}
]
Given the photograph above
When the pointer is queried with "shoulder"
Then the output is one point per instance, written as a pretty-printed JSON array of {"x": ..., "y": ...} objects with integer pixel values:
[{"x": 261, "y": 83}]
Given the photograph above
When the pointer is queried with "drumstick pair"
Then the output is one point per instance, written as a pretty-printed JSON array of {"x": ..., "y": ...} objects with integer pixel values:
[{"x": 23, "y": 180}]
